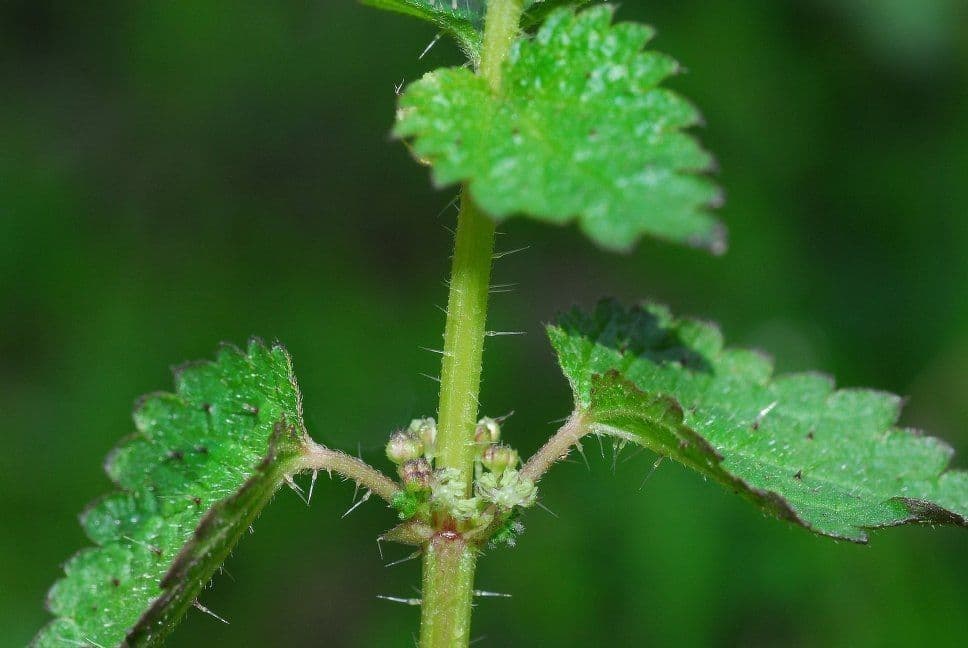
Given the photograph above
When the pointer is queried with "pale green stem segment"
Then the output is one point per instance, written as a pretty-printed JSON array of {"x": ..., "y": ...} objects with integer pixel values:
[
  {"x": 448, "y": 578},
  {"x": 460, "y": 375},
  {"x": 500, "y": 32},
  {"x": 449, "y": 561}
]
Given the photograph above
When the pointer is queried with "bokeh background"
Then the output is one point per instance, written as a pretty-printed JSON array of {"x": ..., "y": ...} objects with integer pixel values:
[{"x": 177, "y": 173}]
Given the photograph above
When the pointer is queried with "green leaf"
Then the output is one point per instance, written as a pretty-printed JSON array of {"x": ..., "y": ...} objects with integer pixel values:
[
  {"x": 580, "y": 130},
  {"x": 536, "y": 11},
  {"x": 831, "y": 460},
  {"x": 462, "y": 19},
  {"x": 202, "y": 464}
]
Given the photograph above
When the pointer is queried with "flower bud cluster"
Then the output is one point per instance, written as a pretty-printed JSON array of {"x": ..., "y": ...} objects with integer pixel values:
[
  {"x": 497, "y": 458},
  {"x": 488, "y": 431},
  {"x": 507, "y": 489},
  {"x": 447, "y": 494},
  {"x": 428, "y": 491},
  {"x": 499, "y": 482},
  {"x": 416, "y": 474},
  {"x": 425, "y": 429},
  {"x": 403, "y": 447}
]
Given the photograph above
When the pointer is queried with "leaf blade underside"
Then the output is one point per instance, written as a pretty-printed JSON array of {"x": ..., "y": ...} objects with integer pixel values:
[
  {"x": 536, "y": 11},
  {"x": 830, "y": 460},
  {"x": 581, "y": 130},
  {"x": 462, "y": 20},
  {"x": 201, "y": 466}
]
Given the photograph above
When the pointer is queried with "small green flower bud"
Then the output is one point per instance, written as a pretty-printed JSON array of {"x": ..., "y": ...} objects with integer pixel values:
[
  {"x": 507, "y": 490},
  {"x": 488, "y": 431},
  {"x": 447, "y": 494},
  {"x": 498, "y": 458},
  {"x": 416, "y": 474},
  {"x": 403, "y": 447},
  {"x": 425, "y": 429}
]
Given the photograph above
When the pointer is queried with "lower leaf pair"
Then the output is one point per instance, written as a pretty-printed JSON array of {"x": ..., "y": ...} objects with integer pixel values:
[{"x": 206, "y": 459}]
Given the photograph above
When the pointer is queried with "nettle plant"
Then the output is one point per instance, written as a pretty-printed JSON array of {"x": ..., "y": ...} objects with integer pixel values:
[{"x": 559, "y": 115}]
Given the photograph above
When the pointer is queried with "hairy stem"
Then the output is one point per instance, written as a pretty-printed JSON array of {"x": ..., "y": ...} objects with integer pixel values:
[
  {"x": 448, "y": 578},
  {"x": 500, "y": 31},
  {"x": 318, "y": 457},
  {"x": 557, "y": 447},
  {"x": 449, "y": 560},
  {"x": 460, "y": 375}
]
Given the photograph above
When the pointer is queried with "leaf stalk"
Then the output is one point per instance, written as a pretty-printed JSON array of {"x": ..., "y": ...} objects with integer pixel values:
[
  {"x": 556, "y": 448},
  {"x": 319, "y": 457}
]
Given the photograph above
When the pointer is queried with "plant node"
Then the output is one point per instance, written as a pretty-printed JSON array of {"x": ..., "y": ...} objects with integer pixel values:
[{"x": 435, "y": 498}]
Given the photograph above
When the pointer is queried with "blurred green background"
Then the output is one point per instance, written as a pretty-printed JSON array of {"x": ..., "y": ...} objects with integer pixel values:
[{"x": 177, "y": 173}]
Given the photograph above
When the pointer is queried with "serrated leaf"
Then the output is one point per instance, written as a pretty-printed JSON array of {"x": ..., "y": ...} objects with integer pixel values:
[
  {"x": 462, "y": 19},
  {"x": 202, "y": 464},
  {"x": 579, "y": 130},
  {"x": 536, "y": 11},
  {"x": 831, "y": 460}
]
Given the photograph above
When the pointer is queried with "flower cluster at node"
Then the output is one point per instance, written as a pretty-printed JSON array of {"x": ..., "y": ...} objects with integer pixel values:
[{"x": 431, "y": 493}]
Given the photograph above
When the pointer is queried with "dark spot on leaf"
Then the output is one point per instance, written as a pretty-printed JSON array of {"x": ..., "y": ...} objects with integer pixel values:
[
  {"x": 116, "y": 582},
  {"x": 176, "y": 455},
  {"x": 207, "y": 408},
  {"x": 200, "y": 449},
  {"x": 810, "y": 436},
  {"x": 756, "y": 425},
  {"x": 799, "y": 475},
  {"x": 197, "y": 501}
]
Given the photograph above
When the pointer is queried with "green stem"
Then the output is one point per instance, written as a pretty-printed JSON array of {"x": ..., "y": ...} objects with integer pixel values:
[
  {"x": 464, "y": 333},
  {"x": 448, "y": 578},
  {"x": 500, "y": 31},
  {"x": 449, "y": 560}
]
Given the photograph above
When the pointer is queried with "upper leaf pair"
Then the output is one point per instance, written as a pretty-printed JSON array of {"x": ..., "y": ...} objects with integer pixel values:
[
  {"x": 461, "y": 19},
  {"x": 464, "y": 19},
  {"x": 579, "y": 130}
]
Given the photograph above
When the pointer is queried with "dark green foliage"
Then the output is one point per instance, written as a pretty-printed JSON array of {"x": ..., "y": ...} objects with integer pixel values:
[
  {"x": 408, "y": 503},
  {"x": 203, "y": 463},
  {"x": 831, "y": 460},
  {"x": 508, "y": 533},
  {"x": 581, "y": 130},
  {"x": 830, "y": 265},
  {"x": 459, "y": 20}
]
